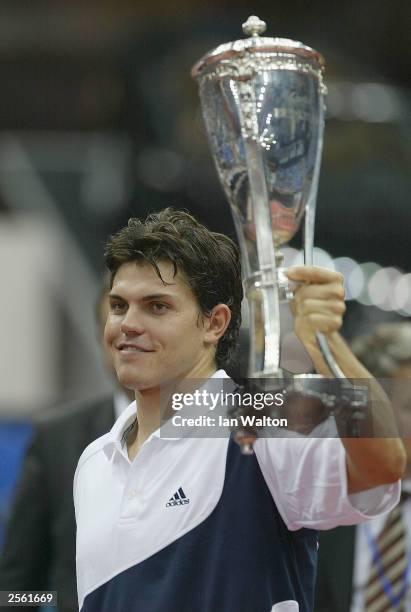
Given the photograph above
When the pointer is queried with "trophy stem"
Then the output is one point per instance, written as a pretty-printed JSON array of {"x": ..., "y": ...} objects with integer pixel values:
[
  {"x": 268, "y": 293},
  {"x": 265, "y": 332}
]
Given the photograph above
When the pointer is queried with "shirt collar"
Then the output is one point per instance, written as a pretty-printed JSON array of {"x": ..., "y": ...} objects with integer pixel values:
[{"x": 114, "y": 437}]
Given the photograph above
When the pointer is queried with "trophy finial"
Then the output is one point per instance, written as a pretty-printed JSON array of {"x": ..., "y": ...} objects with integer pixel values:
[{"x": 254, "y": 26}]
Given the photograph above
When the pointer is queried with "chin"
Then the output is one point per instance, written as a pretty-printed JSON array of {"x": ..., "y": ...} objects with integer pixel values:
[
  {"x": 137, "y": 384},
  {"x": 137, "y": 380},
  {"x": 129, "y": 382}
]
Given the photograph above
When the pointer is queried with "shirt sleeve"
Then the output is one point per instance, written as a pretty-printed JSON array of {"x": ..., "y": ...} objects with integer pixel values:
[{"x": 307, "y": 478}]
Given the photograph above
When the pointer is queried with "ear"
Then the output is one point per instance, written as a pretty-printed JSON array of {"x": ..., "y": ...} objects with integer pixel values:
[{"x": 216, "y": 323}]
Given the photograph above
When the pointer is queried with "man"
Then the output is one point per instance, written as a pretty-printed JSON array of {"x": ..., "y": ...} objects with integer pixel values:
[
  {"x": 345, "y": 570},
  {"x": 39, "y": 551},
  {"x": 241, "y": 536}
]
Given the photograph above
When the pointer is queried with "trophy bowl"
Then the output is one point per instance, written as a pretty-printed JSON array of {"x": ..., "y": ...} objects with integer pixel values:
[{"x": 263, "y": 106}]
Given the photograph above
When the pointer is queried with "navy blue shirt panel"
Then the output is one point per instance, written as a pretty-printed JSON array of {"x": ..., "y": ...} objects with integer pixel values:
[{"x": 241, "y": 558}]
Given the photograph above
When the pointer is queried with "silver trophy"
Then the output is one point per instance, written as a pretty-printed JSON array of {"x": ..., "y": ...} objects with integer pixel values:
[{"x": 263, "y": 106}]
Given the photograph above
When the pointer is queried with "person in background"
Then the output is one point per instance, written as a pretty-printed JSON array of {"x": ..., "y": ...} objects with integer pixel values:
[
  {"x": 39, "y": 551},
  {"x": 348, "y": 580}
]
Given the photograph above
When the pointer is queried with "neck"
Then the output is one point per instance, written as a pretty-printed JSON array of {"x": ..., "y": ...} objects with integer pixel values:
[
  {"x": 129, "y": 393},
  {"x": 153, "y": 405}
]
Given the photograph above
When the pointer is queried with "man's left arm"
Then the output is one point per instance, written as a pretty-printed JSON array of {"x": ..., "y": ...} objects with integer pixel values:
[{"x": 319, "y": 305}]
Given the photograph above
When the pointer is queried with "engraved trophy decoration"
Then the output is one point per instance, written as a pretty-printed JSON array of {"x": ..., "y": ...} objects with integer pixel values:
[{"x": 263, "y": 106}]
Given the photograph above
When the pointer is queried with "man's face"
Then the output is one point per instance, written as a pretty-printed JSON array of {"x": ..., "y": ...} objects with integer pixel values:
[{"x": 155, "y": 332}]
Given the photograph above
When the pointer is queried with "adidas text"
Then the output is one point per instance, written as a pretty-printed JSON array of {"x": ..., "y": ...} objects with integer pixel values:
[{"x": 177, "y": 502}]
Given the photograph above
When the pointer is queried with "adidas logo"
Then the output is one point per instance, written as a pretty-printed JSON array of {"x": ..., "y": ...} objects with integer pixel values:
[{"x": 179, "y": 499}]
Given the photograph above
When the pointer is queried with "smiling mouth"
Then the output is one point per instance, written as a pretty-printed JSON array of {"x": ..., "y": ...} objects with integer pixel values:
[{"x": 129, "y": 348}]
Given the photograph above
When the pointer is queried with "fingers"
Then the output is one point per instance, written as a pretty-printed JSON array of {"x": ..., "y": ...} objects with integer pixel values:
[
  {"x": 318, "y": 315},
  {"x": 312, "y": 274},
  {"x": 318, "y": 303},
  {"x": 328, "y": 291},
  {"x": 330, "y": 307}
]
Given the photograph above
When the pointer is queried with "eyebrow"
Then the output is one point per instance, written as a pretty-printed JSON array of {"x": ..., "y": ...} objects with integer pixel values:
[
  {"x": 156, "y": 296},
  {"x": 114, "y": 296},
  {"x": 146, "y": 298}
]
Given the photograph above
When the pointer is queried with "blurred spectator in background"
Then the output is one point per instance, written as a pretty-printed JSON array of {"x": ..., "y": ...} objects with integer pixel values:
[
  {"x": 367, "y": 568},
  {"x": 39, "y": 551}
]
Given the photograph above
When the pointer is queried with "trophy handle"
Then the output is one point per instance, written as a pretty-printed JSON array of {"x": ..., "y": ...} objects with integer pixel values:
[
  {"x": 333, "y": 366},
  {"x": 309, "y": 225},
  {"x": 310, "y": 207}
]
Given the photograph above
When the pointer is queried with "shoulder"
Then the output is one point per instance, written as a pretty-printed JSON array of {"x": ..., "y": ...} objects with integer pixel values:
[
  {"x": 104, "y": 446},
  {"x": 91, "y": 457},
  {"x": 94, "y": 449}
]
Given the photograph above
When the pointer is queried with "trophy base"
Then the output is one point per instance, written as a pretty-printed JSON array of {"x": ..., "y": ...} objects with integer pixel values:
[
  {"x": 309, "y": 400},
  {"x": 333, "y": 392}
]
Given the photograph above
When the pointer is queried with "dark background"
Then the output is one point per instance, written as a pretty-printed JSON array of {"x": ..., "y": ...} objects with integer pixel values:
[
  {"x": 123, "y": 68},
  {"x": 97, "y": 99}
]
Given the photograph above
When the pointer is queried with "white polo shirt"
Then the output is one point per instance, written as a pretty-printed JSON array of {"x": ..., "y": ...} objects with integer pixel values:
[{"x": 146, "y": 528}]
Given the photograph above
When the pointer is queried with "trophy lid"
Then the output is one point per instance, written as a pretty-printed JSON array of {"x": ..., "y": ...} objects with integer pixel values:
[{"x": 253, "y": 27}]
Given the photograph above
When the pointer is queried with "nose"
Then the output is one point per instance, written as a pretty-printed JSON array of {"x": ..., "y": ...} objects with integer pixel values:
[{"x": 132, "y": 322}]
